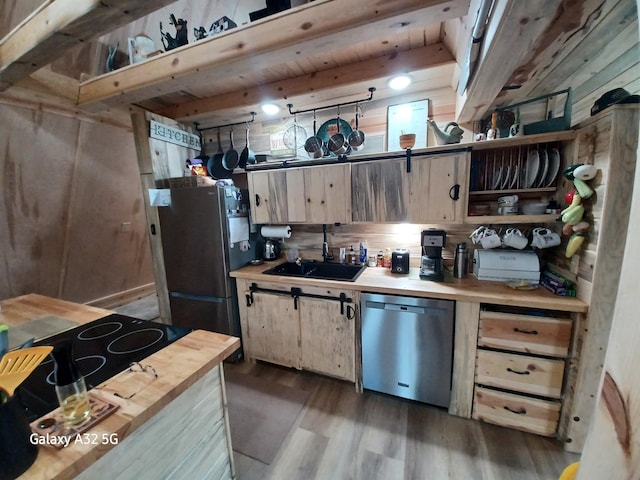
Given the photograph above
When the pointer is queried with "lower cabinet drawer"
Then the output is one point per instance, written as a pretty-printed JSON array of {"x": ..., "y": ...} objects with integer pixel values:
[
  {"x": 516, "y": 411},
  {"x": 522, "y": 373},
  {"x": 525, "y": 333}
]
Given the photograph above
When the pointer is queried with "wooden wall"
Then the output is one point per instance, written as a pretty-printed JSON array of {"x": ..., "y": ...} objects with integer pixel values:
[
  {"x": 72, "y": 217},
  {"x": 616, "y": 425}
]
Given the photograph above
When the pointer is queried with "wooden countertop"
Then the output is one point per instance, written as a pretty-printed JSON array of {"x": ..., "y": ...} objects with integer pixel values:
[
  {"x": 381, "y": 280},
  {"x": 178, "y": 367}
]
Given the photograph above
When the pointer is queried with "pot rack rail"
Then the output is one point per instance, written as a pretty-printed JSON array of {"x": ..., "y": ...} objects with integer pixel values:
[
  {"x": 337, "y": 105},
  {"x": 246, "y": 122}
]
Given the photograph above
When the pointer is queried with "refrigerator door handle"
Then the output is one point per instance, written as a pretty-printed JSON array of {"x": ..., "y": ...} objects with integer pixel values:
[{"x": 203, "y": 298}]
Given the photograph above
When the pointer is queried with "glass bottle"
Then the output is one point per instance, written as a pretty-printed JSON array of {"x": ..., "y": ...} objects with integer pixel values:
[{"x": 71, "y": 389}]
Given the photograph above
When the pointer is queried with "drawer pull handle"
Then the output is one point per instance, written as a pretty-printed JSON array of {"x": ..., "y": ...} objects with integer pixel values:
[
  {"x": 522, "y": 411},
  {"x": 528, "y": 332},
  {"x": 526, "y": 372}
]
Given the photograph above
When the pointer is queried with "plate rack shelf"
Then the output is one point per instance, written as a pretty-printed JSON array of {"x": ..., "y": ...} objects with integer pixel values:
[{"x": 531, "y": 170}]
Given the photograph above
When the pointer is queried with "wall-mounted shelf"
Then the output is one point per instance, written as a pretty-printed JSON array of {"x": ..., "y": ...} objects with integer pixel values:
[{"x": 509, "y": 219}]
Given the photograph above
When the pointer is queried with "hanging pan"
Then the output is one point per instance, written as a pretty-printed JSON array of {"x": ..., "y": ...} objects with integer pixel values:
[
  {"x": 314, "y": 146},
  {"x": 356, "y": 137},
  {"x": 247, "y": 155},
  {"x": 338, "y": 144},
  {"x": 215, "y": 166},
  {"x": 231, "y": 158}
]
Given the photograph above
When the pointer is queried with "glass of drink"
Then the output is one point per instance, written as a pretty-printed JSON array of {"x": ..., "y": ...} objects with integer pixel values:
[{"x": 74, "y": 401}]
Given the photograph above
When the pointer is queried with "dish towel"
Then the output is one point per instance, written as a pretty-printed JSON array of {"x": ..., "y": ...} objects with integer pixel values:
[{"x": 238, "y": 229}]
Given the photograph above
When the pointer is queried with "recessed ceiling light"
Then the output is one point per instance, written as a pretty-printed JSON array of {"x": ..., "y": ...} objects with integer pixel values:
[
  {"x": 270, "y": 108},
  {"x": 399, "y": 82}
]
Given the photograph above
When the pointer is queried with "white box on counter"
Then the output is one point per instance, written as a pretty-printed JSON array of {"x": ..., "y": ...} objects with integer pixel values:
[{"x": 501, "y": 265}]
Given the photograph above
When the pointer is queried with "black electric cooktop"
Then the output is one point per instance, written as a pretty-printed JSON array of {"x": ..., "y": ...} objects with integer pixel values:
[{"x": 102, "y": 349}]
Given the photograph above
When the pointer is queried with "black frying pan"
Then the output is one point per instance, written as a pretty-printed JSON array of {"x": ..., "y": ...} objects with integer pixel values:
[
  {"x": 215, "y": 166},
  {"x": 231, "y": 158}
]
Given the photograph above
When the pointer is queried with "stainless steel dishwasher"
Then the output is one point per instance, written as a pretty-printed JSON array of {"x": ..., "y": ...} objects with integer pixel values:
[{"x": 407, "y": 346}]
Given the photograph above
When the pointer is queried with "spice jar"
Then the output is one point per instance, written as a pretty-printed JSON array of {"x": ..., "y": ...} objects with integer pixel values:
[{"x": 387, "y": 258}]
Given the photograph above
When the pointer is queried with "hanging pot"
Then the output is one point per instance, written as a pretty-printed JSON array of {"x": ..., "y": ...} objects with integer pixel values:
[
  {"x": 356, "y": 137},
  {"x": 338, "y": 144},
  {"x": 314, "y": 146}
]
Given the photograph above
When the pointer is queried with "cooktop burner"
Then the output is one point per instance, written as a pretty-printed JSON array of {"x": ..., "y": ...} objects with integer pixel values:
[{"x": 102, "y": 349}]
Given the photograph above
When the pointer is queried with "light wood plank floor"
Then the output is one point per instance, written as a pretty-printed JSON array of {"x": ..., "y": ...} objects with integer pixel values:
[{"x": 340, "y": 434}]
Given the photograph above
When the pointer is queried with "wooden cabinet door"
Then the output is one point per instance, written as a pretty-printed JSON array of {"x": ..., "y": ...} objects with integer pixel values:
[
  {"x": 274, "y": 329},
  {"x": 379, "y": 191},
  {"x": 327, "y": 193},
  {"x": 327, "y": 338},
  {"x": 268, "y": 196},
  {"x": 432, "y": 188}
]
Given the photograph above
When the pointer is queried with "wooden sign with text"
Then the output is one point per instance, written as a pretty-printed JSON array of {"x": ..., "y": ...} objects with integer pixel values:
[{"x": 174, "y": 135}]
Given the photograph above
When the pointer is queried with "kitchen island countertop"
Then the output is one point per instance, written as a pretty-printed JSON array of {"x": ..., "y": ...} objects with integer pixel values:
[
  {"x": 179, "y": 366},
  {"x": 470, "y": 289}
]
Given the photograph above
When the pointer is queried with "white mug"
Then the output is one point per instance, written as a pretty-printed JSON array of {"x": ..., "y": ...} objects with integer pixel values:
[
  {"x": 514, "y": 238},
  {"x": 512, "y": 210},
  {"x": 508, "y": 201},
  {"x": 545, "y": 238},
  {"x": 490, "y": 239}
]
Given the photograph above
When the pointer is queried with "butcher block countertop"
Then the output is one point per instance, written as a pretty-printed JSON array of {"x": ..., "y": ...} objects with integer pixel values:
[
  {"x": 381, "y": 280},
  {"x": 178, "y": 366}
]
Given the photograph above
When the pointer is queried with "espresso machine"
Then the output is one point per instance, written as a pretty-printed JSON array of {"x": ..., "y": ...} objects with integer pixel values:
[{"x": 433, "y": 241}]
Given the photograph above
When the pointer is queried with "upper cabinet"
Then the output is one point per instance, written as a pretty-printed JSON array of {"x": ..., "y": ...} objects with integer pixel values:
[
  {"x": 268, "y": 196},
  {"x": 317, "y": 194},
  {"x": 424, "y": 189}
]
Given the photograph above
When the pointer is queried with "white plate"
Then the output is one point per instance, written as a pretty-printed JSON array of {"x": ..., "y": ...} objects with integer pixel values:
[
  {"x": 531, "y": 169},
  {"x": 506, "y": 177},
  {"x": 497, "y": 178},
  {"x": 544, "y": 166},
  {"x": 554, "y": 167},
  {"x": 514, "y": 177}
]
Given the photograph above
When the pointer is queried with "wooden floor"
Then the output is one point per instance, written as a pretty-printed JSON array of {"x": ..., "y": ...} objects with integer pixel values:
[
  {"x": 340, "y": 434},
  {"x": 343, "y": 435}
]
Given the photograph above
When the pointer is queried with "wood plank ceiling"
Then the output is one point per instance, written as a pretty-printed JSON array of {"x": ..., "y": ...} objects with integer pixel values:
[
  {"x": 331, "y": 51},
  {"x": 309, "y": 56}
]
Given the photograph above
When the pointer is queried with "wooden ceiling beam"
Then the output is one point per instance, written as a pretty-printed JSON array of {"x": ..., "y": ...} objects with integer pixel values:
[
  {"x": 512, "y": 32},
  {"x": 276, "y": 39},
  {"x": 56, "y": 27},
  {"x": 406, "y": 61}
]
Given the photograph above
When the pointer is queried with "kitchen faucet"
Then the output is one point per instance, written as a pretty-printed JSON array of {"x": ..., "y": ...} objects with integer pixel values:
[{"x": 325, "y": 245}]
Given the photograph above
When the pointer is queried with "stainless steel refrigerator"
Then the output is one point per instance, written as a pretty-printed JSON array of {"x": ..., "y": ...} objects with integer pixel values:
[{"x": 206, "y": 234}]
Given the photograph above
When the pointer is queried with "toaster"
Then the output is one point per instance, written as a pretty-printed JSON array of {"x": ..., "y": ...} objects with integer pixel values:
[{"x": 400, "y": 261}]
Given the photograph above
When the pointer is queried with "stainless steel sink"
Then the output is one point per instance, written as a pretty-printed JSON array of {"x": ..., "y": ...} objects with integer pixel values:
[{"x": 319, "y": 270}]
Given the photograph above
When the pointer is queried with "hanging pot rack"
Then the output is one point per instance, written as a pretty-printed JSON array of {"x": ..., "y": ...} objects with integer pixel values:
[
  {"x": 253, "y": 117},
  {"x": 337, "y": 105}
]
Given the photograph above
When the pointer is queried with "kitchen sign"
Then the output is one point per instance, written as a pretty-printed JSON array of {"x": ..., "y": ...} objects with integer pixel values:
[{"x": 169, "y": 134}]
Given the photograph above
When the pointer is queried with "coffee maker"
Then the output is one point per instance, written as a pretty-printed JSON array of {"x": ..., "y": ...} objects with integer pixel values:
[{"x": 433, "y": 241}]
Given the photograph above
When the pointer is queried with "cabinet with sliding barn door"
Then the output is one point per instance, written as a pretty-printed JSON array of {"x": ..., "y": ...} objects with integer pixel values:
[
  {"x": 309, "y": 328},
  {"x": 520, "y": 368},
  {"x": 418, "y": 188},
  {"x": 314, "y": 194}
]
